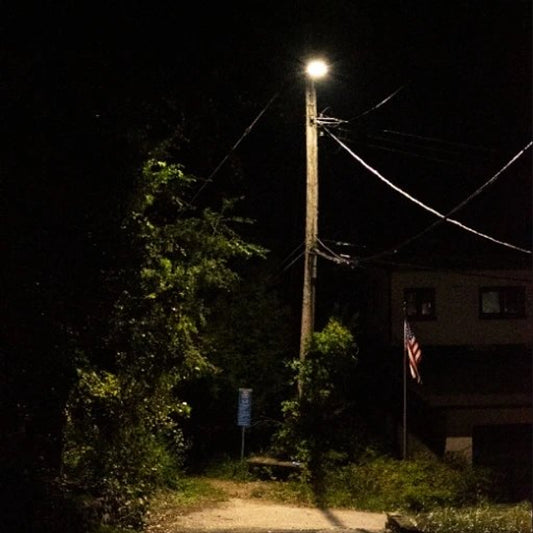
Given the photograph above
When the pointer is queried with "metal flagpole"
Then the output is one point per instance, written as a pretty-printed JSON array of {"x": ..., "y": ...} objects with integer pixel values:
[{"x": 404, "y": 440}]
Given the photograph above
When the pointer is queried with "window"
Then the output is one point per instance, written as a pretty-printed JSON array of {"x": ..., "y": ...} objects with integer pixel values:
[
  {"x": 420, "y": 303},
  {"x": 502, "y": 302}
]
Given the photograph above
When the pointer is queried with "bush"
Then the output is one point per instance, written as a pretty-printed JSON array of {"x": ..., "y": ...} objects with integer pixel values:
[
  {"x": 381, "y": 483},
  {"x": 124, "y": 435},
  {"x": 118, "y": 449},
  {"x": 421, "y": 484},
  {"x": 315, "y": 423}
]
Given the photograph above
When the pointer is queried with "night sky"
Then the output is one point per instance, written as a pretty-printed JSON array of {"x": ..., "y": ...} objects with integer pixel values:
[{"x": 85, "y": 85}]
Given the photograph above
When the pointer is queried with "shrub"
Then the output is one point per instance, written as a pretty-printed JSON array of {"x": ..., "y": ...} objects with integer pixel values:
[
  {"x": 125, "y": 419},
  {"x": 382, "y": 483},
  {"x": 119, "y": 449},
  {"x": 315, "y": 422}
]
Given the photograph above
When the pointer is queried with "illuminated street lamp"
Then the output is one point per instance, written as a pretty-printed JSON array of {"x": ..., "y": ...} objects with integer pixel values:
[{"x": 315, "y": 69}]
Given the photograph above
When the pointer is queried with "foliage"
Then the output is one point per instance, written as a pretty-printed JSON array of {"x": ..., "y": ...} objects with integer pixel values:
[
  {"x": 315, "y": 422},
  {"x": 479, "y": 519},
  {"x": 227, "y": 468},
  {"x": 248, "y": 343},
  {"x": 125, "y": 418},
  {"x": 191, "y": 494},
  {"x": 380, "y": 482}
]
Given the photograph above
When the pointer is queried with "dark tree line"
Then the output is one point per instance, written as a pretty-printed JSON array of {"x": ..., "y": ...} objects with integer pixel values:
[{"x": 79, "y": 127}]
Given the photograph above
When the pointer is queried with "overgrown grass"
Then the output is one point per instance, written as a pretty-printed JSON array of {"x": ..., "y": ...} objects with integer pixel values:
[
  {"x": 423, "y": 484},
  {"x": 480, "y": 519},
  {"x": 230, "y": 469},
  {"x": 191, "y": 494},
  {"x": 379, "y": 483}
]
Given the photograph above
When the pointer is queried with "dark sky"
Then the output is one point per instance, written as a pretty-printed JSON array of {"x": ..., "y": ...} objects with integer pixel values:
[{"x": 79, "y": 78}]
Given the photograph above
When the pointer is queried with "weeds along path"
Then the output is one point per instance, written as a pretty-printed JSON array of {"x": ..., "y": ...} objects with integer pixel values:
[{"x": 249, "y": 506}]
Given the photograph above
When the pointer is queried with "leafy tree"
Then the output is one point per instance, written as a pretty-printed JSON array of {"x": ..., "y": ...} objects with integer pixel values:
[
  {"x": 124, "y": 416},
  {"x": 249, "y": 342},
  {"x": 318, "y": 426}
]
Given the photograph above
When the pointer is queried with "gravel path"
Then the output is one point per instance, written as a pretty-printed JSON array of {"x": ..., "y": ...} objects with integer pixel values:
[
  {"x": 248, "y": 514},
  {"x": 241, "y": 513}
]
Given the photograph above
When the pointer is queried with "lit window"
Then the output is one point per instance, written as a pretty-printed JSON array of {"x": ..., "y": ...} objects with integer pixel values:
[
  {"x": 420, "y": 303},
  {"x": 502, "y": 302}
]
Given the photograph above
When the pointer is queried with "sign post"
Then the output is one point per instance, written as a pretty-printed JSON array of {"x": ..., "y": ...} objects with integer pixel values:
[{"x": 244, "y": 414}]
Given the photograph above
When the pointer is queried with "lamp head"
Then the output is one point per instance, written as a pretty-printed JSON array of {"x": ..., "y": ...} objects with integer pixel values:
[{"x": 316, "y": 68}]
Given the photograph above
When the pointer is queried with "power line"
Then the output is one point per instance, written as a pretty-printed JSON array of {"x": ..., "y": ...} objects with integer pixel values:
[
  {"x": 290, "y": 255},
  {"x": 437, "y": 140},
  {"x": 405, "y": 152},
  {"x": 426, "y": 207},
  {"x": 429, "y": 148},
  {"x": 343, "y": 259},
  {"x": 354, "y": 262},
  {"x": 237, "y": 143},
  {"x": 459, "y": 206},
  {"x": 384, "y": 101},
  {"x": 286, "y": 267},
  {"x": 332, "y": 258}
]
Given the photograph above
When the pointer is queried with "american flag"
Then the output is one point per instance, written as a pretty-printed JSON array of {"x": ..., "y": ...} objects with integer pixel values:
[{"x": 414, "y": 353}]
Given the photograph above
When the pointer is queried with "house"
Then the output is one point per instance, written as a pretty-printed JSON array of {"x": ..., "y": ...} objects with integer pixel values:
[{"x": 475, "y": 328}]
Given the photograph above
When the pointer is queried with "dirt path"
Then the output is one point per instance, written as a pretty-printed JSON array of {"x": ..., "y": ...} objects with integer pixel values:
[{"x": 244, "y": 512}]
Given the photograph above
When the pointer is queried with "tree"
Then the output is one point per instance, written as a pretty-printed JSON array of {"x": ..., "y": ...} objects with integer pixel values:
[
  {"x": 249, "y": 342},
  {"x": 124, "y": 434},
  {"x": 318, "y": 425}
]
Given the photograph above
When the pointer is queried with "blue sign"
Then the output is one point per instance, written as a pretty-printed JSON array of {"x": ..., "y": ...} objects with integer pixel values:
[{"x": 244, "y": 414}]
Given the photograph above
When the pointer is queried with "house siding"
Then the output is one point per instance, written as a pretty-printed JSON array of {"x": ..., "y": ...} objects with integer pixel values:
[
  {"x": 476, "y": 371},
  {"x": 457, "y": 308}
]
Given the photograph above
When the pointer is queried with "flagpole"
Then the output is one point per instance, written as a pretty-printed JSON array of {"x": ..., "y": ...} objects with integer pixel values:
[{"x": 404, "y": 435}]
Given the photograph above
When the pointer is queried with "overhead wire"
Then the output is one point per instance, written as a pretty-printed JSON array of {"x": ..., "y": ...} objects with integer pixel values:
[
  {"x": 406, "y": 152},
  {"x": 237, "y": 143},
  {"x": 291, "y": 254},
  {"x": 324, "y": 122},
  {"x": 429, "y": 148},
  {"x": 423, "y": 205},
  {"x": 329, "y": 257},
  {"x": 459, "y": 206},
  {"x": 377, "y": 106},
  {"x": 296, "y": 248},
  {"x": 416, "y": 145},
  {"x": 437, "y": 140},
  {"x": 355, "y": 262},
  {"x": 297, "y": 258},
  {"x": 334, "y": 256}
]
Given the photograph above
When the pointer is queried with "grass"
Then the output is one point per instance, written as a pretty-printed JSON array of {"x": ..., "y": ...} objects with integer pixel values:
[
  {"x": 192, "y": 494},
  {"x": 439, "y": 497},
  {"x": 197, "y": 493},
  {"x": 479, "y": 519}
]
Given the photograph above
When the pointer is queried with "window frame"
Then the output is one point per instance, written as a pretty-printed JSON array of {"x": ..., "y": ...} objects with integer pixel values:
[
  {"x": 518, "y": 292},
  {"x": 422, "y": 295}
]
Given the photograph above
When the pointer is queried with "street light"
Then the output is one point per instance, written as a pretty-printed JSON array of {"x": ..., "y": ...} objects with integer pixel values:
[{"x": 315, "y": 69}]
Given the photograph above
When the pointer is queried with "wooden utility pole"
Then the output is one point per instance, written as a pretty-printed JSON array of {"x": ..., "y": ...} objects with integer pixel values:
[{"x": 311, "y": 221}]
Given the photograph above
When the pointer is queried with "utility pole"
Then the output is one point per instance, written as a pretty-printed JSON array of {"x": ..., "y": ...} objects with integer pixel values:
[{"x": 315, "y": 69}]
